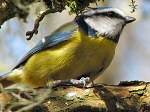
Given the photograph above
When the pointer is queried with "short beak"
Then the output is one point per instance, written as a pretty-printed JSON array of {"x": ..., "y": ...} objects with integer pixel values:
[{"x": 129, "y": 19}]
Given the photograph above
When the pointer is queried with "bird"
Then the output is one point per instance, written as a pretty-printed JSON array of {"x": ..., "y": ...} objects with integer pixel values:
[{"x": 83, "y": 47}]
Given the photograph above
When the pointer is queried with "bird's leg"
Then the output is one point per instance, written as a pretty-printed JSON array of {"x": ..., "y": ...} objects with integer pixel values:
[
  {"x": 92, "y": 83},
  {"x": 71, "y": 82}
]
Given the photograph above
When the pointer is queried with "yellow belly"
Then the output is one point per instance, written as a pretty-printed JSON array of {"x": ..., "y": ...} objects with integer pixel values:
[{"x": 71, "y": 59}]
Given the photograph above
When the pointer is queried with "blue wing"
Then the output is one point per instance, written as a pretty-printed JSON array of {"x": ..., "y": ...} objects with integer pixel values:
[{"x": 56, "y": 38}]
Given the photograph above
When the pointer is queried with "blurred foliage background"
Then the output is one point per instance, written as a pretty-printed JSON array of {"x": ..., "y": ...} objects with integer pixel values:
[{"x": 131, "y": 61}]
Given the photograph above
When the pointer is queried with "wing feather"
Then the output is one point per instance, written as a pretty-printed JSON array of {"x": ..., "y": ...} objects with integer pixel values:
[{"x": 56, "y": 38}]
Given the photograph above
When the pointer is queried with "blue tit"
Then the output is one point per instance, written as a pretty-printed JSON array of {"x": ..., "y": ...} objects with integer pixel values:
[{"x": 84, "y": 47}]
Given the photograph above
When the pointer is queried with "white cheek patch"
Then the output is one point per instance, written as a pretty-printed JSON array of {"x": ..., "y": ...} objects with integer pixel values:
[{"x": 105, "y": 25}]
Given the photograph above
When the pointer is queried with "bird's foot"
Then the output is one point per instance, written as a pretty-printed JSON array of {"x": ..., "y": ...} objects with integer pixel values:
[
  {"x": 81, "y": 82},
  {"x": 72, "y": 82}
]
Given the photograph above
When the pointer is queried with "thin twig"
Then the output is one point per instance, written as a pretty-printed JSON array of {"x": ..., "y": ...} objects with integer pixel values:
[
  {"x": 37, "y": 23},
  {"x": 44, "y": 98}
]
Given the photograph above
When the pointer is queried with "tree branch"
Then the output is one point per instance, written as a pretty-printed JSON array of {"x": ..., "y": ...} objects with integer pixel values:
[
  {"x": 126, "y": 97},
  {"x": 9, "y": 10}
]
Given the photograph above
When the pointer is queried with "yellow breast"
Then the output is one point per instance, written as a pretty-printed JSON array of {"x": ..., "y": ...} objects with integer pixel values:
[{"x": 68, "y": 60}]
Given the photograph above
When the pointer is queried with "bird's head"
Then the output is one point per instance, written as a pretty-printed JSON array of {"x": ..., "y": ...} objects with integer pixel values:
[{"x": 105, "y": 22}]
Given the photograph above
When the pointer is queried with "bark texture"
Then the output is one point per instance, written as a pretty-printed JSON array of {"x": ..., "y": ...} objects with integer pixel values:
[{"x": 131, "y": 96}]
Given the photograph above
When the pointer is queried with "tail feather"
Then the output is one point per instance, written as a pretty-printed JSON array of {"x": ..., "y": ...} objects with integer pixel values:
[{"x": 4, "y": 81}]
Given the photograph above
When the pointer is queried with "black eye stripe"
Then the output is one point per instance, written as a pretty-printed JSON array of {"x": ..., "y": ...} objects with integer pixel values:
[{"x": 109, "y": 14}]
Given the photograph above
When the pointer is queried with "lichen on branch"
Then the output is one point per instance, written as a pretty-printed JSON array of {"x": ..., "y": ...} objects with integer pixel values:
[{"x": 75, "y": 6}]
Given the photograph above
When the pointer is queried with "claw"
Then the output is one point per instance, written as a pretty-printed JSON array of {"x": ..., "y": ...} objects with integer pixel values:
[
  {"x": 83, "y": 81},
  {"x": 72, "y": 82}
]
